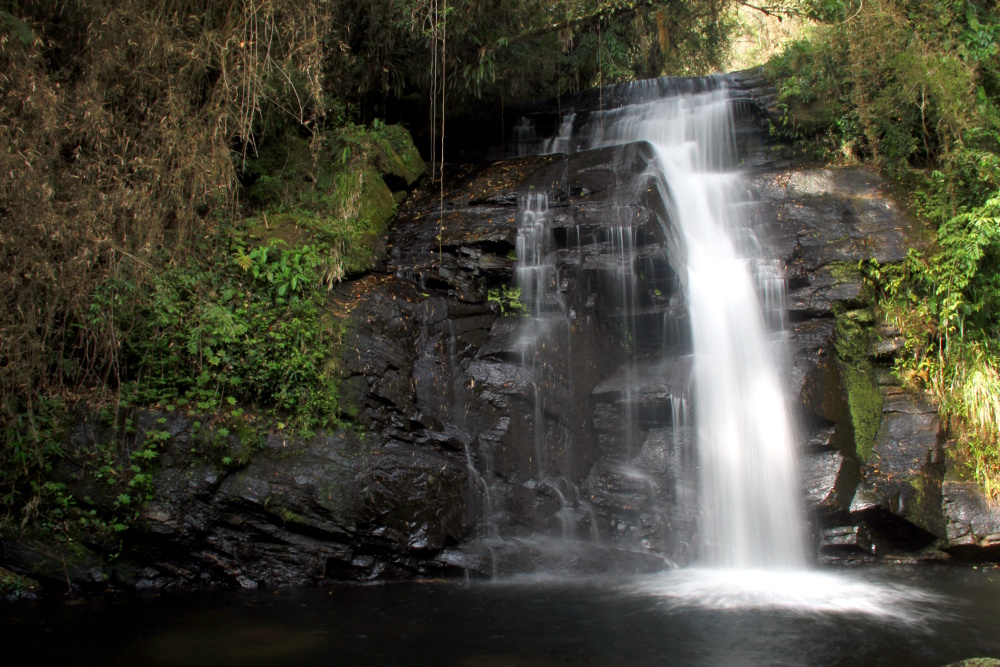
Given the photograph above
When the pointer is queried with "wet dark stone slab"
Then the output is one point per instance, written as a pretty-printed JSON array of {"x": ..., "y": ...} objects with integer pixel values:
[
  {"x": 822, "y": 289},
  {"x": 810, "y": 345},
  {"x": 413, "y": 498},
  {"x": 903, "y": 476},
  {"x": 498, "y": 184},
  {"x": 973, "y": 520},
  {"x": 503, "y": 342},
  {"x": 850, "y": 543},
  {"x": 842, "y": 215},
  {"x": 647, "y": 379},
  {"x": 820, "y": 472}
]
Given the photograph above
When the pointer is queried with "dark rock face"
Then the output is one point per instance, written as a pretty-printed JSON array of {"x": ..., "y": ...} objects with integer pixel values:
[
  {"x": 973, "y": 520},
  {"x": 476, "y": 454},
  {"x": 903, "y": 476}
]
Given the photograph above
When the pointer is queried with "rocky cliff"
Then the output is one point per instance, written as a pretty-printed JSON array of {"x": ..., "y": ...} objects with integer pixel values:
[{"x": 471, "y": 456}]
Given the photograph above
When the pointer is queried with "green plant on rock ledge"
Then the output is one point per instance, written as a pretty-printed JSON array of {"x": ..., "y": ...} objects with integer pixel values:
[
  {"x": 507, "y": 301},
  {"x": 947, "y": 356},
  {"x": 912, "y": 88},
  {"x": 330, "y": 189}
]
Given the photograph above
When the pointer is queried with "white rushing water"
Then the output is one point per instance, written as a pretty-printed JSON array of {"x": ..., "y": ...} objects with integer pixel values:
[
  {"x": 751, "y": 551},
  {"x": 746, "y": 445}
]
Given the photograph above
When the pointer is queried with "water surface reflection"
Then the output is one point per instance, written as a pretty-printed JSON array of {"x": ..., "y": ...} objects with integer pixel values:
[{"x": 884, "y": 616}]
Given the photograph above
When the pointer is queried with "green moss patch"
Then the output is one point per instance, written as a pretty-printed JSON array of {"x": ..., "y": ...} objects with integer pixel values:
[
  {"x": 854, "y": 332},
  {"x": 330, "y": 190}
]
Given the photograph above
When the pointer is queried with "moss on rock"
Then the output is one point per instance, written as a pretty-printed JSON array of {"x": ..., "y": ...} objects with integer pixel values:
[
  {"x": 401, "y": 155},
  {"x": 854, "y": 331},
  {"x": 865, "y": 404},
  {"x": 331, "y": 189},
  {"x": 845, "y": 272}
]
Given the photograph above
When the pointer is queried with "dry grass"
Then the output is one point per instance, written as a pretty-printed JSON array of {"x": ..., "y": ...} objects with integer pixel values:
[
  {"x": 971, "y": 401},
  {"x": 123, "y": 124}
]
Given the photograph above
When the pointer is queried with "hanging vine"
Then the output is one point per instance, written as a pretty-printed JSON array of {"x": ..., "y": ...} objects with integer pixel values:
[{"x": 444, "y": 53}]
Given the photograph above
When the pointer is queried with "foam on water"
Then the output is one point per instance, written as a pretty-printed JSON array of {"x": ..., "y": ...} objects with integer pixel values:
[{"x": 803, "y": 591}]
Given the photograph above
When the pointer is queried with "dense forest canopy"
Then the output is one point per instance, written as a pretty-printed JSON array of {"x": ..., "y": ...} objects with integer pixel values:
[{"x": 184, "y": 177}]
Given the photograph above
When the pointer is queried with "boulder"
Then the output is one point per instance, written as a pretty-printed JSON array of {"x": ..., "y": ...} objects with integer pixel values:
[
  {"x": 902, "y": 478},
  {"x": 973, "y": 519}
]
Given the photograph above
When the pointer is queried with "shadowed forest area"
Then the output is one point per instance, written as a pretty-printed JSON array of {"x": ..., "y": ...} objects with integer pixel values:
[{"x": 185, "y": 180}]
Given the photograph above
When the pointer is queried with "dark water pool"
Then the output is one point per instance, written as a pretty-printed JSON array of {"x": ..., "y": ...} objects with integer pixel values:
[{"x": 884, "y": 616}]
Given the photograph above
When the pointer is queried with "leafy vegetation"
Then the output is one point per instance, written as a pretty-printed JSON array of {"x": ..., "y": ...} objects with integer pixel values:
[
  {"x": 507, "y": 301},
  {"x": 913, "y": 88},
  {"x": 184, "y": 180},
  {"x": 180, "y": 193}
]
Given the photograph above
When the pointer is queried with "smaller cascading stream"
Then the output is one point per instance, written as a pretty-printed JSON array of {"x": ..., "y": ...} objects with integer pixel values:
[
  {"x": 537, "y": 281},
  {"x": 562, "y": 141},
  {"x": 623, "y": 281},
  {"x": 545, "y": 345}
]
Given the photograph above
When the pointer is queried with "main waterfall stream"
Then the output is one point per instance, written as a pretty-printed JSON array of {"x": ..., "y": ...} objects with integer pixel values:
[
  {"x": 744, "y": 437},
  {"x": 750, "y": 539},
  {"x": 747, "y": 506}
]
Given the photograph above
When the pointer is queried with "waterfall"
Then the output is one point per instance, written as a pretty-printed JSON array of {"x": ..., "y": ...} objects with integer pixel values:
[
  {"x": 745, "y": 440},
  {"x": 749, "y": 513}
]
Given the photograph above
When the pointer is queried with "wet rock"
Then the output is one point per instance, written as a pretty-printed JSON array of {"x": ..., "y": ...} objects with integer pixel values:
[
  {"x": 647, "y": 380},
  {"x": 820, "y": 472},
  {"x": 413, "y": 499},
  {"x": 903, "y": 476},
  {"x": 822, "y": 289},
  {"x": 973, "y": 520},
  {"x": 667, "y": 452},
  {"x": 842, "y": 215},
  {"x": 849, "y": 543},
  {"x": 503, "y": 341}
]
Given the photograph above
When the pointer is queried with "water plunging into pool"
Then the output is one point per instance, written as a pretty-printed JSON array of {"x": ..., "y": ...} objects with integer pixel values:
[
  {"x": 745, "y": 441},
  {"x": 749, "y": 513},
  {"x": 665, "y": 253}
]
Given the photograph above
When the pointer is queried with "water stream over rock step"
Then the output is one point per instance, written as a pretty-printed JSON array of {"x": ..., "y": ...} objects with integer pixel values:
[{"x": 723, "y": 287}]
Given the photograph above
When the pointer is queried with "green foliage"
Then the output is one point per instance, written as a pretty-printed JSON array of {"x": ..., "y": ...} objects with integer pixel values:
[
  {"x": 330, "y": 189},
  {"x": 901, "y": 84},
  {"x": 123, "y": 126},
  {"x": 243, "y": 323},
  {"x": 509, "y": 52},
  {"x": 913, "y": 88},
  {"x": 507, "y": 301},
  {"x": 90, "y": 494},
  {"x": 14, "y": 585},
  {"x": 33, "y": 446}
]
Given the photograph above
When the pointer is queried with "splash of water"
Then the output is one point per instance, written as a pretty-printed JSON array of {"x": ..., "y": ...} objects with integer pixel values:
[{"x": 804, "y": 592}]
